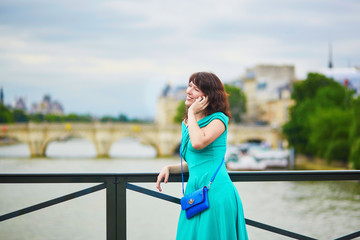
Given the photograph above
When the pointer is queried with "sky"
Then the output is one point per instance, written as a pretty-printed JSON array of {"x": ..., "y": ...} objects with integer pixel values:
[{"x": 111, "y": 57}]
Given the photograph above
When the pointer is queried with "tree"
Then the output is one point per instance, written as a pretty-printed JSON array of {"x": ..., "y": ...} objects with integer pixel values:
[
  {"x": 297, "y": 129},
  {"x": 5, "y": 115},
  {"x": 329, "y": 134},
  {"x": 237, "y": 102},
  {"x": 122, "y": 118},
  {"x": 20, "y": 116},
  {"x": 354, "y": 136},
  {"x": 37, "y": 117},
  {"x": 54, "y": 118},
  {"x": 308, "y": 88},
  {"x": 107, "y": 119},
  {"x": 319, "y": 121},
  {"x": 72, "y": 117},
  {"x": 180, "y": 112}
]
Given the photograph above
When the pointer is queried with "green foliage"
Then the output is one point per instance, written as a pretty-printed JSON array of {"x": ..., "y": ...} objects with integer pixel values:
[
  {"x": 20, "y": 116},
  {"x": 329, "y": 130},
  {"x": 297, "y": 129},
  {"x": 355, "y": 135},
  {"x": 54, "y": 118},
  {"x": 107, "y": 119},
  {"x": 37, "y": 117},
  {"x": 355, "y": 154},
  {"x": 338, "y": 149},
  {"x": 73, "y": 117},
  {"x": 333, "y": 95},
  {"x": 122, "y": 118},
  {"x": 6, "y": 115},
  {"x": 320, "y": 119},
  {"x": 308, "y": 88},
  {"x": 180, "y": 112},
  {"x": 355, "y": 127},
  {"x": 237, "y": 102}
]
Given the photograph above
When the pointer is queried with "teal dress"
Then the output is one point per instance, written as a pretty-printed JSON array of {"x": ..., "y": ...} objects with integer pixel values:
[{"x": 225, "y": 218}]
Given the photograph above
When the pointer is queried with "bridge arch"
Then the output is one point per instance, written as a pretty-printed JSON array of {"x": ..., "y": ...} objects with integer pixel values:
[
  {"x": 145, "y": 145},
  {"x": 164, "y": 138},
  {"x": 72, "y": 146}
]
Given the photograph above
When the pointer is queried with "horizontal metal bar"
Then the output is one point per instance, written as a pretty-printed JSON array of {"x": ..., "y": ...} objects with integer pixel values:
[
  {"x": 53, "y": 178},
  {"x": 259, "y": 176},
  {"x": 277, "y": 230},
  {"x": 245, "y": 176},
  {"x": 248, "y": 222},
  {"x": 349, "y": 236},
  {"x": 52, "y": 202},
  {"x": 153, "y": 193}
]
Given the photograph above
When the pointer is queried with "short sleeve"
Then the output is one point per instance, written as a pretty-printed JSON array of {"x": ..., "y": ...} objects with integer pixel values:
[{"x": 217, "y": 115}]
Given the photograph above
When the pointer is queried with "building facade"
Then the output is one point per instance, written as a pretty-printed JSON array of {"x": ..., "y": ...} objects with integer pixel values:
[
  {"x": 268, "y": 89},
  {"x": 168, "y": 103},
  {"x": 47, "y": 106}
]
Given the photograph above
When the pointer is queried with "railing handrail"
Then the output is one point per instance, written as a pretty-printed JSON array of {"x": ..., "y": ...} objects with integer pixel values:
[{"x": 241, "y": 176}]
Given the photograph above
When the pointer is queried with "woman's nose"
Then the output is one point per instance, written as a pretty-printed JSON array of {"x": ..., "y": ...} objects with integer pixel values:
[{"x": 188, "y": 90}]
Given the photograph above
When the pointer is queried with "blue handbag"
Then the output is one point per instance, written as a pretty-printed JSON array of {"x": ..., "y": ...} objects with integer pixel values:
[{"x": 197, "y": 201}]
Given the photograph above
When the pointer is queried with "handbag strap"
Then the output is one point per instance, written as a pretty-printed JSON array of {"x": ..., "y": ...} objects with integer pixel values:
[{"x": 182, "y": 174}]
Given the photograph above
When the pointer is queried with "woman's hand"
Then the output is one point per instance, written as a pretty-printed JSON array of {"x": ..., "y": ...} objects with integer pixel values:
[
  {"x": 164, "y": 174},
  {"x": 199, "y": 105}
]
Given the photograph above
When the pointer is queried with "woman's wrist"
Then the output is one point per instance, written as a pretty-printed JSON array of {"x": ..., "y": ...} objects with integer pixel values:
[
  {"x": 191, "y": 115},
  {"x": 191, "y": 111}
]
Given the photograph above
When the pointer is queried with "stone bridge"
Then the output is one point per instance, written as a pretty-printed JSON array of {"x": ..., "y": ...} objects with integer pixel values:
[{"x": 164, "y": 138}]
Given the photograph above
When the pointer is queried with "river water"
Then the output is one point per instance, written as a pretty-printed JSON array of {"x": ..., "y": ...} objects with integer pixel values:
[{"x": 322, "y": 210}]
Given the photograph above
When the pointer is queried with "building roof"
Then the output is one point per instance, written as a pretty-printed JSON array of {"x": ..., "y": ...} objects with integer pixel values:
[{"x": 350, "y": 76}]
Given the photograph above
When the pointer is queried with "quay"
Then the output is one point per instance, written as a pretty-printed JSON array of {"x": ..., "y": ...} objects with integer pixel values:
[{"x": 116, "y": 185}]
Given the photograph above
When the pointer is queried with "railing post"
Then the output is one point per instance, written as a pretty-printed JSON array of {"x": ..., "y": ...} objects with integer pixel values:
[
  {"x": 111, "y": 232},
  {"x": 116, "y": 208},
  {"x": 121, "y": 208}
]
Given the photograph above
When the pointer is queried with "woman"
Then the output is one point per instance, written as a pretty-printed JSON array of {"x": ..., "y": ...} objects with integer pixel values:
[{"x": 204, "y": 132}]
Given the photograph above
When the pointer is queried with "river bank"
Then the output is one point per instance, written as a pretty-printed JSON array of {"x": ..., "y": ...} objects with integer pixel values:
[
  {"x": 8, "y": 141},
  {"x": 303, "y": 162}
]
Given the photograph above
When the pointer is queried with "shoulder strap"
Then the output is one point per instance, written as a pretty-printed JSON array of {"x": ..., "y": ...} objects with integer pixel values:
[
  {"x": 182, "y": 174},
  {"x": 217, "y": 170}
]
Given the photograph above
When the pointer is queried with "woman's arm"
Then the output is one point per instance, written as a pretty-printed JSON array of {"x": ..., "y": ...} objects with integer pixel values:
[
  {"x": 167, "y": 170},
  {"x": 202, "y": 137}
]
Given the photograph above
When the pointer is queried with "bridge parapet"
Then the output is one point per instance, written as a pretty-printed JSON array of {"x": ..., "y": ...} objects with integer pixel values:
[{"x": 164, "y": 138}]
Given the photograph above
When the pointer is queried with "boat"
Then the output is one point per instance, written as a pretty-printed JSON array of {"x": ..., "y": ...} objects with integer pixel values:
[{"x": 250, "y": 156}]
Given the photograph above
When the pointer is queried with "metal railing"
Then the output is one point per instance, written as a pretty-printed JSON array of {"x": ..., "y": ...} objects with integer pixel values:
[{"x": 117, "y": 184}]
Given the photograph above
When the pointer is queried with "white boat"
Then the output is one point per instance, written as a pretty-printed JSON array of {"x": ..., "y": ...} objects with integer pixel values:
[
  {"x": 246, "y": 162},
  {"x": 255, "y": 157},
  {"x": 271, "y": 157}
]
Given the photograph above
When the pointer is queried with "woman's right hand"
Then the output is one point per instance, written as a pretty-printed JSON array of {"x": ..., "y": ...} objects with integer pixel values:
[
  {"x": 199, "y": 105},
  {"x": 164, "y": 174}
]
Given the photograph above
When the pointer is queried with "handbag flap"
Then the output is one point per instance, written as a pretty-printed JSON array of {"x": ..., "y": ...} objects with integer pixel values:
[{"x": 193, "y": 198}]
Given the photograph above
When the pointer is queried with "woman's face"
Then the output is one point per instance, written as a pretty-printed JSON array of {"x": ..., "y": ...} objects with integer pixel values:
[{"x": 192, "y": 93}]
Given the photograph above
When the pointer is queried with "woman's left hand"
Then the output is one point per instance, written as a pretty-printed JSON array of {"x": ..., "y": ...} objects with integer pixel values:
[
  {"x": 163, "y": 175},
  {"x": 199, "y": 105}
]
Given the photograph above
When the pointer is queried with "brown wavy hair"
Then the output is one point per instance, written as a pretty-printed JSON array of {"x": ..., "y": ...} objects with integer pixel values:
[{"x": 213, "y": 88}]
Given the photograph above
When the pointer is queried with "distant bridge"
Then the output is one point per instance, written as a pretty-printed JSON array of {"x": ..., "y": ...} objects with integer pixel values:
[{"x": 164, "y": 138}]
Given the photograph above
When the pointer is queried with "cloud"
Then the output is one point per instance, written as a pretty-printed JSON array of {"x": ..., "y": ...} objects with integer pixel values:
[{"x": 120, "y": 49}]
